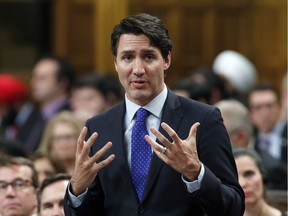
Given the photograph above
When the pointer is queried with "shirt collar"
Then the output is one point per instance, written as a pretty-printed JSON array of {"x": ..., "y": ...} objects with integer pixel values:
[{"x": 155, "y": 106}]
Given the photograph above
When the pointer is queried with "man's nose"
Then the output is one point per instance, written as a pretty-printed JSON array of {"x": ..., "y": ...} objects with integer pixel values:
[
  {"x": 57, "y": 211},
  {"x": 138, "y": 67},
  {"x": 10, "y": 191}
]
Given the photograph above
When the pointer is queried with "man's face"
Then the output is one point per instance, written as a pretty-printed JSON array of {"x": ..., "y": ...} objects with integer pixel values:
[
  {"x": 52, "y": 199},
  {"x": 44, "y": 84},
  {"x": 140, "y": 68},
  {"x": 87, "y": 102},
  {"x": 20, "y": 200},
  {"x": 264, "y": 110}
]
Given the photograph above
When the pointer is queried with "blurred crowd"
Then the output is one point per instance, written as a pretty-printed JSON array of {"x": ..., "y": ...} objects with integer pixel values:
[{"x": 40, "y": 122}]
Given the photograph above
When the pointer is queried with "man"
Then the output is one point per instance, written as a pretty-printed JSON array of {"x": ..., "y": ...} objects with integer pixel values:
[
  {"x": 271, "y": 132},
  {"x": 18, "y": 187},
  {"x": 51, "y": 195},
  {"x": 51, "y": 82},
  {"x": 93, "y": 94},
  {"x": 237, "y": 122},
  {"x": 186, "y": 174}
]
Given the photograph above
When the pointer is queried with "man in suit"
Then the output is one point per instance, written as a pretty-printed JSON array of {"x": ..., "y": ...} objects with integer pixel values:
[
  {"x": 270, "y": 132},
  {"x": 51, "y": 82},
  {"x": 191, "y": 170}
]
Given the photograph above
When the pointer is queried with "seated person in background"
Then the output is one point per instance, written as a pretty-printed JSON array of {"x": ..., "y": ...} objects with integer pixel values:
[
  {"x": 60, "y": 138},
  {"x": 207, "y": 77},
  {"x": 93, "y": 94},
  {"x": 18, "y": 187},
  {"x": 11, "y": 147},
  {"x": 251, "y": 176},
  {"x": 51, "y": 195},
  {"x": 51, "y": 81},
  {"x": 270, "y": 131},
  {"x": 45, "y": 166},
  {"x": 236, "y": 120},
  {"x": 190, "y": 89}
]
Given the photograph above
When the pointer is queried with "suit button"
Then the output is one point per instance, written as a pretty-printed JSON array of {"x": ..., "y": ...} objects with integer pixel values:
[{"x": 141, "y": 210}]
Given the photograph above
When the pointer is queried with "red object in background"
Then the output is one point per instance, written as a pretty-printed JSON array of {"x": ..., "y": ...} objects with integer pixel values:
[{"x": 12, "y": 90}]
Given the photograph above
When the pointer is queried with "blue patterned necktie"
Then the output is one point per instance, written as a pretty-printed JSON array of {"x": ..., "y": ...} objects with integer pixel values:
[{"x": 140, "y": 152}]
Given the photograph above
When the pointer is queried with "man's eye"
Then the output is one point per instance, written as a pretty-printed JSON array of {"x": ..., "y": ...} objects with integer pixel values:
[
  {"x": 47, "y": 205},
  {"x": 19, "y": 183},
  {"x": 149, "y": 57},
  {"x": 127, "y": 57}
]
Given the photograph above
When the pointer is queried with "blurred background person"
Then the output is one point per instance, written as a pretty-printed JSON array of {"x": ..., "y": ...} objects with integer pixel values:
[
  {"x": 238, "y": 72},
  {"x": 93, "y": 94},
  {"x": 190, "y": 89},
  {"x": 202, "y": 85},
  {"x": 60, "y": 139},
  {"x": 51, "y": 195},
  {"x": 284, "y": 98},
  {"x": 13, "y": 94},
  {"x": 251, "y": 176},
  {"x": 11, "y": 147},
  {"x": 237, "y": 122},
  {"x": 51, "y": 81},
  {"x": 45, "y": 166},
  {"x": 270, "y": 131},
  {"x": 18, "y": 187}
]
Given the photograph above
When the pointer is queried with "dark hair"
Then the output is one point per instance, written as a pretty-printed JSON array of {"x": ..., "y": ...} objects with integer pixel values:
[
  {"x": 254, "y": 156},
  {"x": 8, "y": 161},
  {"x": 65, "y": 70},
  {"x": 104, "y": 83},
  {"x": 48, "y": 181},
  {"x": 146, "y": 24},
  {"x": 266, "y": 86}
]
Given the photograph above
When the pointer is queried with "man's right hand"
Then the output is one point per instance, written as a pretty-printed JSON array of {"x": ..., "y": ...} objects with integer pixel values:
[{"x": 86, "y": 167}]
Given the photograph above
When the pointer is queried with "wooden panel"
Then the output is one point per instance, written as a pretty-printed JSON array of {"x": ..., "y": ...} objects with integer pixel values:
[{"x": 199, "y": 30}]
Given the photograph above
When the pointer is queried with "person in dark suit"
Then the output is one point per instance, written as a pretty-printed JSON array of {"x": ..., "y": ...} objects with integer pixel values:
[
  {"x": 191, "y": 170},
  {"x": 51, "y": 82}
]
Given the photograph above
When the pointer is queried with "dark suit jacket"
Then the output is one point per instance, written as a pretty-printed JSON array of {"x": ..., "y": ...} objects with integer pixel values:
[
  {"x": 276, "y": 169},
  {"x": 112, "y": 193},
  {"x": 30, "y": 133}
]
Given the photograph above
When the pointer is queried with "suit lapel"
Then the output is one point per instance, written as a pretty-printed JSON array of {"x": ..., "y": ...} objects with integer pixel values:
[{"x": 172, "y": 116}]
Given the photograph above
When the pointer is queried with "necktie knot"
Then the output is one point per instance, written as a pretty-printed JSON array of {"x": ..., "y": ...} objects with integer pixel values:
[{"x": 141, "y": 114}]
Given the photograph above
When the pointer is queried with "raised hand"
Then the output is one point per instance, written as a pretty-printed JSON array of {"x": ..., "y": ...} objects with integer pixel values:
[
  {"x": 181, "y": 155},
  {"x": 86, "y": 167}
]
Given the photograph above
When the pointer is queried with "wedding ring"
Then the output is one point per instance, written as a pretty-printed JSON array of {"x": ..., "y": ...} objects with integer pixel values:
[{"x": 164, "y": 149}]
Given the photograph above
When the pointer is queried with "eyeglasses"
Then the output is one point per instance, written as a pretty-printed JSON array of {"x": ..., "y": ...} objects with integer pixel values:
[
  {"x": 258, "y": 107},
  {"x": 64, "y": 138},
  {"x": 17, "y": 185}
]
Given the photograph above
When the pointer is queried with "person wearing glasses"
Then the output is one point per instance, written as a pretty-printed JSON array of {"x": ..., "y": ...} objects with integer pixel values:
[{"x": 18, "y": 187}]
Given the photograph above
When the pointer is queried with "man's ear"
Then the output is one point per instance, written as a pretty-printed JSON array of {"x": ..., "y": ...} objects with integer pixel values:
[
  {"x": 167, "y": 61},
  {"x": 115, "y": 64}
]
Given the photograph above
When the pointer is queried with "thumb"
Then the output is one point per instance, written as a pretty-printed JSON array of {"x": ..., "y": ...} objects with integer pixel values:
[{"x": 193, "y": 130}]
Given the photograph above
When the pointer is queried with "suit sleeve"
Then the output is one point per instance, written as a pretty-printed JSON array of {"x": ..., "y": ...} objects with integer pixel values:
[{"x": 220, "y": 192}]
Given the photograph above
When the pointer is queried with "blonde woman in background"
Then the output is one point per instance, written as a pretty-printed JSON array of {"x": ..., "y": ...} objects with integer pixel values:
[{"x": 60, "y": 138}]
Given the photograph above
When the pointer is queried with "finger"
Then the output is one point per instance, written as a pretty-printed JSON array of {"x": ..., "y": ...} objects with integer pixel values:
[
  {"x": 88, "y": 144},
  {"x": 193, "y": 130},
  {"x": 155, "y": 146},
  {"x": 105, "y": 162},
  {"x": 101, "y": 152},
  {"x": 160, "y": 137},
  {"x": 80, "y": 141},
  {"x": 171, "y": 133}
]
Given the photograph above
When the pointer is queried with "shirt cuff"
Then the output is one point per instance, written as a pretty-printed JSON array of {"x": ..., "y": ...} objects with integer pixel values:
[
  {"x": 76, "y": 201},
  {"x": 194, "y": 185}
]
